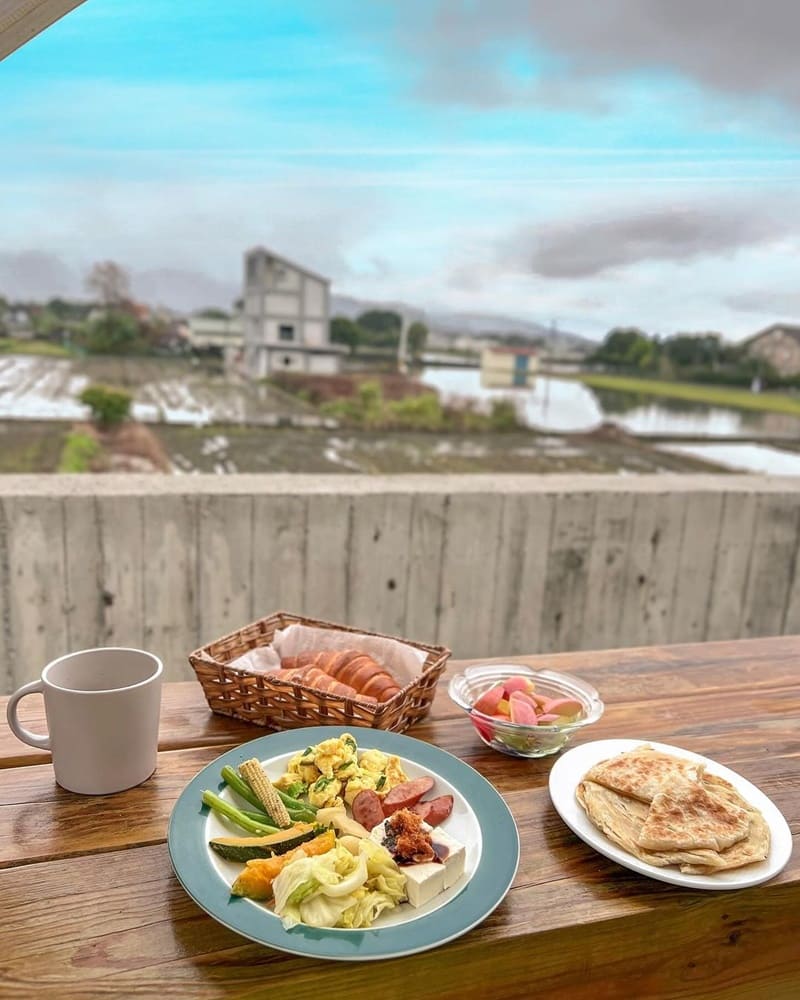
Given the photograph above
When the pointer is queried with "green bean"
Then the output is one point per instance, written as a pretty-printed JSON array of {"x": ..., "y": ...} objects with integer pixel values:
[
  {"x": 240, "y": 786},
  {"x": 236, "y": 816}
]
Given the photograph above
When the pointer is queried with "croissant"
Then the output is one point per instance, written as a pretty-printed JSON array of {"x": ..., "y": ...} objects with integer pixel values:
[
  {"x": 351, "y": 667},
  {"x": 316, "y": 678}
]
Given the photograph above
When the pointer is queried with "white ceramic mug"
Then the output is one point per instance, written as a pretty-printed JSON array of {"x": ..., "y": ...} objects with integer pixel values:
[{"x": 102, "y": 708}]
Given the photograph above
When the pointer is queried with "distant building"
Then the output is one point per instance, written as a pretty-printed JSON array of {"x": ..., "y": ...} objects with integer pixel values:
[
  {"x": 508, "y": 366},
  {"x": 286, "y": 318},
  {"x": 779, "y": 346},
  {"x": 219, "y": 332},
  {"x": 17, "y": 322}
]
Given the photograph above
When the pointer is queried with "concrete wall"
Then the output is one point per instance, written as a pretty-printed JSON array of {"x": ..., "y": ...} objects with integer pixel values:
[{"x": 489, "y": 565}]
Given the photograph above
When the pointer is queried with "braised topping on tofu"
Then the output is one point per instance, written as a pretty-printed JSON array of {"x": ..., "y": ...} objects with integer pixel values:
[{"x": 406, "y": 840}]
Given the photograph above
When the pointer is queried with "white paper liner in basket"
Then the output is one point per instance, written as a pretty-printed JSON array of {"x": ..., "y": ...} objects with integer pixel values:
[{"x": 403, "y": 661}]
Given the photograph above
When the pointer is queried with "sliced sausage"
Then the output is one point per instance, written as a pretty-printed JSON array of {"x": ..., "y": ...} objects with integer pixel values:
[
  {"x": 407, "y": 794},
  {"x": 434, "y": 811},
  {"x": 367, "y": 808}
]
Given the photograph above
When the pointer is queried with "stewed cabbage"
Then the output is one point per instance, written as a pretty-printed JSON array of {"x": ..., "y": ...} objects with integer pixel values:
[{"x": 339, "y": 889}]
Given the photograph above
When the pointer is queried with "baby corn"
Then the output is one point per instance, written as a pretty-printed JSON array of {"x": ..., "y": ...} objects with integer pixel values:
[{"x": 254, "y": 774}]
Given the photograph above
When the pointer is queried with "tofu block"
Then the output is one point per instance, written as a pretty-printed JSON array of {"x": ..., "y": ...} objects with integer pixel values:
[{"x": 427, "y": 880}]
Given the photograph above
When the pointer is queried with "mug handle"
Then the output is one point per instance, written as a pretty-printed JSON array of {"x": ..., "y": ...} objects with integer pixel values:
[{"x": 42, "y": 742}]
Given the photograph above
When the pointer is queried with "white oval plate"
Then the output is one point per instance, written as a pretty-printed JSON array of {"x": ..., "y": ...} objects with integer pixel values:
[{"x": 568, "y": 771}]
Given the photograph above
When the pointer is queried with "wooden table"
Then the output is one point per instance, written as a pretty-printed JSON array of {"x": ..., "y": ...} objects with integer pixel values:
[{"x": 91, "y": 908}]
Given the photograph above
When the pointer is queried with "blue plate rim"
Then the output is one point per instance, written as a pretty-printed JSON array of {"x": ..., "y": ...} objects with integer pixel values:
[{"x": 491, "y": 880}]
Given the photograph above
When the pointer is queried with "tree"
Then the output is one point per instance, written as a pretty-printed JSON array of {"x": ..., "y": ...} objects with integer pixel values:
[
  {"x": 345, "y": 331},
  {"x": 381, "y": 327},
  {"x": 46, "y": 322},
  {"x": 213, "y": 313},
  {"x": 109, "y": 406},
  {"x": 417, "y": 337},
  {"x": 380, "y": 320},
  {"x": 627, "y": 347},
  {"x": 113, "y": 333},
  {"x": 65, "y": 310},
  {"x": 693, "y": 350},
  {"x": 109, "y": 282}
]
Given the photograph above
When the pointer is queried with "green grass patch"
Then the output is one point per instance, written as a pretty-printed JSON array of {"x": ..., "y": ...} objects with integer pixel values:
[
  {"x": 80, "y": 450},
  {"x": 713, "y": 395},
  {"x": 30, "y": 446},
  {"x": 370, "y": 411},
  {"x": 40, "y": 348}
]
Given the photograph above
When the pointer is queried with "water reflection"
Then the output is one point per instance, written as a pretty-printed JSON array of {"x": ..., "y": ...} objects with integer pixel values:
[
  {"x": 751, "y": 457},
  {"x": 566, "y": 405},
  {"x": 548, "y": 403}
]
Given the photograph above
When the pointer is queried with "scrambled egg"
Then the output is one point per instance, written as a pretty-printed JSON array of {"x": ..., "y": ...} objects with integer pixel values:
[{"x": 333, "y": 771}]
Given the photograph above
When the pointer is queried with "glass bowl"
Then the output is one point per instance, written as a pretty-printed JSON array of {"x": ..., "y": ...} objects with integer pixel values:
[{"x": 574, "y": 703}]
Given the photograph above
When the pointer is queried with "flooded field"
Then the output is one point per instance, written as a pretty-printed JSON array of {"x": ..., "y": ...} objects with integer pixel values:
[
  {"x": 207, "y": 421},
  {"x": 558, "y": 404},
  {"x": 164, "y": 390}
]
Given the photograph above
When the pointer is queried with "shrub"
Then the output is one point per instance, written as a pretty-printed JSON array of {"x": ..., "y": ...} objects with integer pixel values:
[
  {"x": 366, "y": 409},
  {"x": 79, "y": 452},
  {"x": 423, "y": 413},
  {"x": 109, "y": 406},
  {"x": 503, "y": 416}
]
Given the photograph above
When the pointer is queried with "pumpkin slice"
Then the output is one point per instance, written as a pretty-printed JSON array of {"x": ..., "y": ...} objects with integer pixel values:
[{"x": 255, "y": 882}]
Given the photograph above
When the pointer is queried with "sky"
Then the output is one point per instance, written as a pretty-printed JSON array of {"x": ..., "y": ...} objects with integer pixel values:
[{"x": 588, "y": 163}]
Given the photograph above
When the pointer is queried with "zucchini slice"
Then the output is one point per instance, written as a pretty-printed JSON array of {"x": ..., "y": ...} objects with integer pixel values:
[{"x": 247, "y": 848}]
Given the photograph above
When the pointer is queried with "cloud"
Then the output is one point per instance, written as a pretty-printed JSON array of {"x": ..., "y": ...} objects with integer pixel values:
[
  {"x": 183, "y": 290},
  {"x": 584, "y": 247},
  {"x": 466, "y": 50},
  {"x": 182, "y": 243},
  {"x": 766, "y": 300}
]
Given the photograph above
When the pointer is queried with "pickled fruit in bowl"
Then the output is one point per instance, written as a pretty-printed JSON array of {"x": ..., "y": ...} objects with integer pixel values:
[
  {"x": 524, "y": 711},
  {"x": 516, "y": 700}
]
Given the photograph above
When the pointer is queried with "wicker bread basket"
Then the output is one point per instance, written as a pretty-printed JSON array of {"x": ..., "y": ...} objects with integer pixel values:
[{"x": 288, "y": 704}]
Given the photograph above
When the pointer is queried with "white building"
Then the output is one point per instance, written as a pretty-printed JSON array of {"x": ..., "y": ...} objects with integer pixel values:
[
  {"x": 222, "y": 332},
  {"x": 286, "y": 313},
  {"x": 508, "y": 366}
]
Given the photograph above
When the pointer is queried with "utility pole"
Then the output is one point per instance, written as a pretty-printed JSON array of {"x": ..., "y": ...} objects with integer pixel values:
[{"x": 402, "y": 365}]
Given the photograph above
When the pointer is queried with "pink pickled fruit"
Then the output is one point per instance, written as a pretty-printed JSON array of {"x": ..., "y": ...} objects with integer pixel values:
[
  {"x": 518, "y": 683},
  {"x": 524, "y": 696},
  {"x": 488, "y": 701},
  {"x": 504, "y": 707},
  {"x": 547, "y": 718},
  {"x": 540, "y": 699},
  {"x": 522, "y": 712},
  {"x": 562, "y": 706},
  {"x": 485, "y": 729}
]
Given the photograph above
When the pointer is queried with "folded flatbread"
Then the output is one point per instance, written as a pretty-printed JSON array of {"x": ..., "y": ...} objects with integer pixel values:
[
  {"x": 754, "y": 847},
  {"x": 688, "y": 815},
  {"x": 683, "y": 818},
  {"x": 643, "y": 772}
]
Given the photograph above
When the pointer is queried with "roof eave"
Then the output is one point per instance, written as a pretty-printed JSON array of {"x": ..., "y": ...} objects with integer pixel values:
[{"x": 22, "y": 20}]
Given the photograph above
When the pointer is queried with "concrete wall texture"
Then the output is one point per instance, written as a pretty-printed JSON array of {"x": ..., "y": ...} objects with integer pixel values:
[{"x": 488, "y": 565}]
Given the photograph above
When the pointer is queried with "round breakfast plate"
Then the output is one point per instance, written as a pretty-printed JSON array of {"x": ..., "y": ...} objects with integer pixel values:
[
  {"x": 568, "y": 771},
  {"x": 480, "y": 820}
]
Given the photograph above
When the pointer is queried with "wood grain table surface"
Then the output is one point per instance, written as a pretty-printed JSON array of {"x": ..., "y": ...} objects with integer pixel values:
[{"x": 91, "y": 907}]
